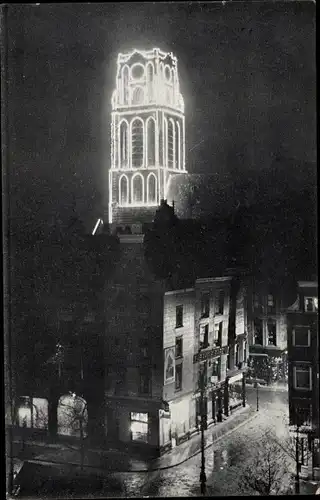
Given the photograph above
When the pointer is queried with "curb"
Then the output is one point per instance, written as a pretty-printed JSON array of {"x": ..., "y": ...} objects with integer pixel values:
[{"x": 149, "y": 469}]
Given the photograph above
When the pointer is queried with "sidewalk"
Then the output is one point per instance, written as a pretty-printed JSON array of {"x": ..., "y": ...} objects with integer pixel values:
[
  {"x": 273, "y": 387},
  {"x": 117, "y": 461}
]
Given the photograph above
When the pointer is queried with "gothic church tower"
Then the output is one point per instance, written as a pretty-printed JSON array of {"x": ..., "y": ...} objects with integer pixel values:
[{"x": 147, "y": 135}]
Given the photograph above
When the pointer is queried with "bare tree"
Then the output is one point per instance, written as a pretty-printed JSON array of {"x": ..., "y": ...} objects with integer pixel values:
[{"x": 76, "y": 417}]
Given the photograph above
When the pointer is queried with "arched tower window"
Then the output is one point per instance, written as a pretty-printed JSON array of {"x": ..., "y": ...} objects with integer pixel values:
[
  {"x": 138, "y": 96},
  {"x": 137, "y": 143},
  {"x": 137, "y": 189},
  {"x": 150, "y": 79},
  {"x": 178, "y": 145},
  {"x": 171, "y": 143},
  {"x": 125, "y": 84},
  {"x": 123, "y": 144},
  {"x": 152, "y": 189},
  {"x": 123, "y": 190},
  {"x": 151, "y": 142},
  {"x": 165, "y": 142}
]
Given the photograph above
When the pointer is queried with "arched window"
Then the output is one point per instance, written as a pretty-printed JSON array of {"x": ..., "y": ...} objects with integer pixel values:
[
  {"x": 151, "y": 142},
  {"x": 165, "y": 142},
  {"x": 123, "y": 190},
  {"x": 138, "y": 96},
  {"x": 137, "y": 143},
  {"x": 123, "y": 144},
  {"x": 125, "y": 84},
  {"x": 171, "y": 144},
  {"x": 150, "y": 78},
  {"x": 152, "y": 189},
  {"x": 137, "y": 189},
  {"x": 178, "y": 146}
]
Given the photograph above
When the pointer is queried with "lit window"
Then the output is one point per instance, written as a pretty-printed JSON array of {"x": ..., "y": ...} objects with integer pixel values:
[
  {"x": 302, "y": 377},
  {"x": 137, "y": 143},
  {"x": 204, "y": 336},
  {"x": 301, "y": 336},
  {"x": 216, "y": 368},
  {"x": 311, "y": 304},
  {"x": 179, "y": 347},
  {"x": 139, "y": 426},
  {"x": 179, "y": 316},
  {"x": 205, "y": 303},
  {"x": 272, "y": 333},
  {"x": 178, "y": 381}
]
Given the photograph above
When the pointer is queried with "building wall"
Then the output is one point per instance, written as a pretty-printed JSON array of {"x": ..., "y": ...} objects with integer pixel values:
[{"x": 184, "y": 298}]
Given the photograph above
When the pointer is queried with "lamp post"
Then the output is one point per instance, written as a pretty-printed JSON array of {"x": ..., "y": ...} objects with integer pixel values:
[
  {"x": 203, "y": 477},
  {"x": 297, "y": 477},
  {"x": 257, "y": 388}
]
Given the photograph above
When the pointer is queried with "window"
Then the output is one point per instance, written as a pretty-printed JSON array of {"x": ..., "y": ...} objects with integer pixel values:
[
  {"x": 237, "y": 355},
  {"x": 204, "y": 336},
  {"x": 216, "y": 368},
  {"x": 179, "y": 316},
  {"x": 302, "y": 413},
  {"x": 311, "y": 304},
  {"x": 218, "y": 334},
  {"x": 151, "y": 142},
  {"x": 178, "y": 140},
  {"x": 270, "y": 303},
  {"x": 144, "y": 381},
  {"x": 143, "y": 343},
  {"x": 203, "y": 372},
  {"x": 272, "y": 333},
  {"x": 123, "y": 190},
  {"x": 152, "y": 189},
  {"x": 137, "y": 143},
  {"x": 205, "y": 304},
  {"x": 220, "y": 302},
  {"x": 179, "y": 347},
  {"x": 258, "y": 331},
  {"x": 301, "y": 336},
  {"x": 139, "y": 426},
  {"x": 302, "y": 377},
  {"x": 137, "y": 189},
  {"x": 123, "y": 144},
  {"x": 178, "y": 384},
  {"x": 171, "y": 139},
  {"x": 138, "y": 96}
]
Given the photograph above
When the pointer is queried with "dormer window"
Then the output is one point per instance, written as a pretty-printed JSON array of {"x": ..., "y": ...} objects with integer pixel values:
[{"x": 311, "y": 304}]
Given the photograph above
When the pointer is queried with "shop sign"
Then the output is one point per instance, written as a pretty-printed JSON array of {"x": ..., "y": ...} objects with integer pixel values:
[{"x": 209, "y": 354}]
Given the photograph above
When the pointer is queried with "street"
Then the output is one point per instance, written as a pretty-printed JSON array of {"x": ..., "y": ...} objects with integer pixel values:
[{"x": 183, "y": 480}]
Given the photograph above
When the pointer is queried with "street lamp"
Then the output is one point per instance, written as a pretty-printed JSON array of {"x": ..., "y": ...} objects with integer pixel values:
[
  {"x": 257, "y": 388},
  {"x": 203, "y": 477}
]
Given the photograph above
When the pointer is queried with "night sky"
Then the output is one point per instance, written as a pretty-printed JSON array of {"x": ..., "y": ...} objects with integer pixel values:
[{"x": 247, "y": 74}]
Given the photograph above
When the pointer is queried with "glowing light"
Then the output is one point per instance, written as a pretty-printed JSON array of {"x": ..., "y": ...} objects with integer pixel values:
[{"x": 99, "y": 221}]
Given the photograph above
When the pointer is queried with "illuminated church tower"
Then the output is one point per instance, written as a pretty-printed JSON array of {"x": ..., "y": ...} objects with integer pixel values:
[{"x": 147, "y": 135}]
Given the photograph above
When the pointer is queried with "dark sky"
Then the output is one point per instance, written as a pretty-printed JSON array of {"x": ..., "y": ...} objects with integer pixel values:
[{"x": 247, "y": 73}]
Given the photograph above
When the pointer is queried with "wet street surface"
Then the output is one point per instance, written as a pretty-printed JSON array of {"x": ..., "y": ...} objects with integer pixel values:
[{"x": 183, "y": 480}]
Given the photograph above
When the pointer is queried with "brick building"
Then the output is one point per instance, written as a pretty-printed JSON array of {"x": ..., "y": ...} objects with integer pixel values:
[{"x": 303, "y": 355}]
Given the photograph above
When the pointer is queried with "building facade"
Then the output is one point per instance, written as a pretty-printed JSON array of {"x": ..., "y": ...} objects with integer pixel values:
[
  {"x": 147, "y": 135},
  {"x": 158, "y": 341},
  {"x": 303, "y": 355},
  {"x": 267, "y": 332}
]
